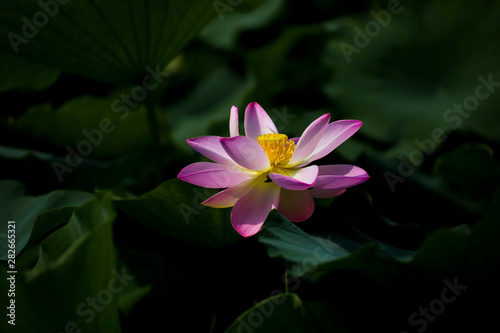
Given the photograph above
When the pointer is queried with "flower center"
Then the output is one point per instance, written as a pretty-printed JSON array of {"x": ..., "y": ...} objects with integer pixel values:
[{"x": 277, "y": 147}]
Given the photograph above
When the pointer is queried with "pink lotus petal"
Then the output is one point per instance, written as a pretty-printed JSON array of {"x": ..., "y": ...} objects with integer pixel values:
[
  {"x": 251, "y": 210},
  {"x": 296, "y": 179},
  {"x": 210, "y": 146},
  {"x": 233, "y": 122},
  {"x": 335, "y": 134},
  {"x": 297, "y": 206},
  {"x": 317, "y": 193},
  {"x": 257, "y": 122},
  {"x": 213, "y": 175},
  {"x": 246, "y": 152},
  {"x": 309, "y": 140},
  {"x": 228, "y": 197},
  {"x": 339, "y": 176}
]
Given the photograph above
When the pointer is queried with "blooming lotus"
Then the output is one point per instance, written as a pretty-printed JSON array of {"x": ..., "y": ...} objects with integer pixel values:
[{"x": 264, "y": 170}]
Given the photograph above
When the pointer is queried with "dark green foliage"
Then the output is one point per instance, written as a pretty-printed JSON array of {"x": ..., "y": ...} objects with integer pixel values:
[{"x": 108, "y": 240}]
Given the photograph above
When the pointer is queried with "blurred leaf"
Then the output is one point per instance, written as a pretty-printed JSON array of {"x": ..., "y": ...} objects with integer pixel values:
[
  {"x": 96, "y": 126},
  {"x": 482, "y": 246},
  {"x": 20, "y": 74},
  {"x": 20, "y": 153},
  {"x": 122, "y": 39},
  {"x": 223, "y": 32},
  {"x": 472, "y": 179},
  {"x": 174, "y": 209},
  {"x": 291, "y": 122},
  {"x": 304, "y": 252},
  {"x": 442, "y": 252},
  {"x": 130, "y": 297},
  {"x": 54, "y": 171},
  {"x": 209, "y": 102},
  {"x": 284, "y": 313},
  {"x": 75, "y": 283},
  {"x": 34, "y": 216},
  {"x": 405, "y": 80},
  {"x": 276, "y": 67}
]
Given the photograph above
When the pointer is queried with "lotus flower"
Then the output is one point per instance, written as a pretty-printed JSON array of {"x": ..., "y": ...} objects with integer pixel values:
[{"x": 264, "y": 170}]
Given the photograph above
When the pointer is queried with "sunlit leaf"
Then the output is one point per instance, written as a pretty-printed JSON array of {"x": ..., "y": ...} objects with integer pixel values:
[{"x": 305, "y": 252}]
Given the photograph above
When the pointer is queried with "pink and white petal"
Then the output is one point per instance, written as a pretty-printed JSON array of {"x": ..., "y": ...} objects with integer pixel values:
[
  {"x": 233, "y": 122},
  {"x": 335, "y": 134},
  {"x": 297, "y": 206},
  {"x": 210, "y": 146},
  {"x": 309, "y": 140},
  {"x": 257, "y": 122},
  {"x": 246, "y": 153},
  {"x": 318, "y": 193},
  {"x": 228, "y": 197},
  {"x": 339, "y": 176},
  {"x": 214, "y": 175},
  {"x": 296, "y": 179},
  {"x": 251, "y": 210}
]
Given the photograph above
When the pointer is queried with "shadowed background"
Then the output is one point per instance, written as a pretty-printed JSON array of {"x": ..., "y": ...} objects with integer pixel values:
[{"x": 99, "y": 98}]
